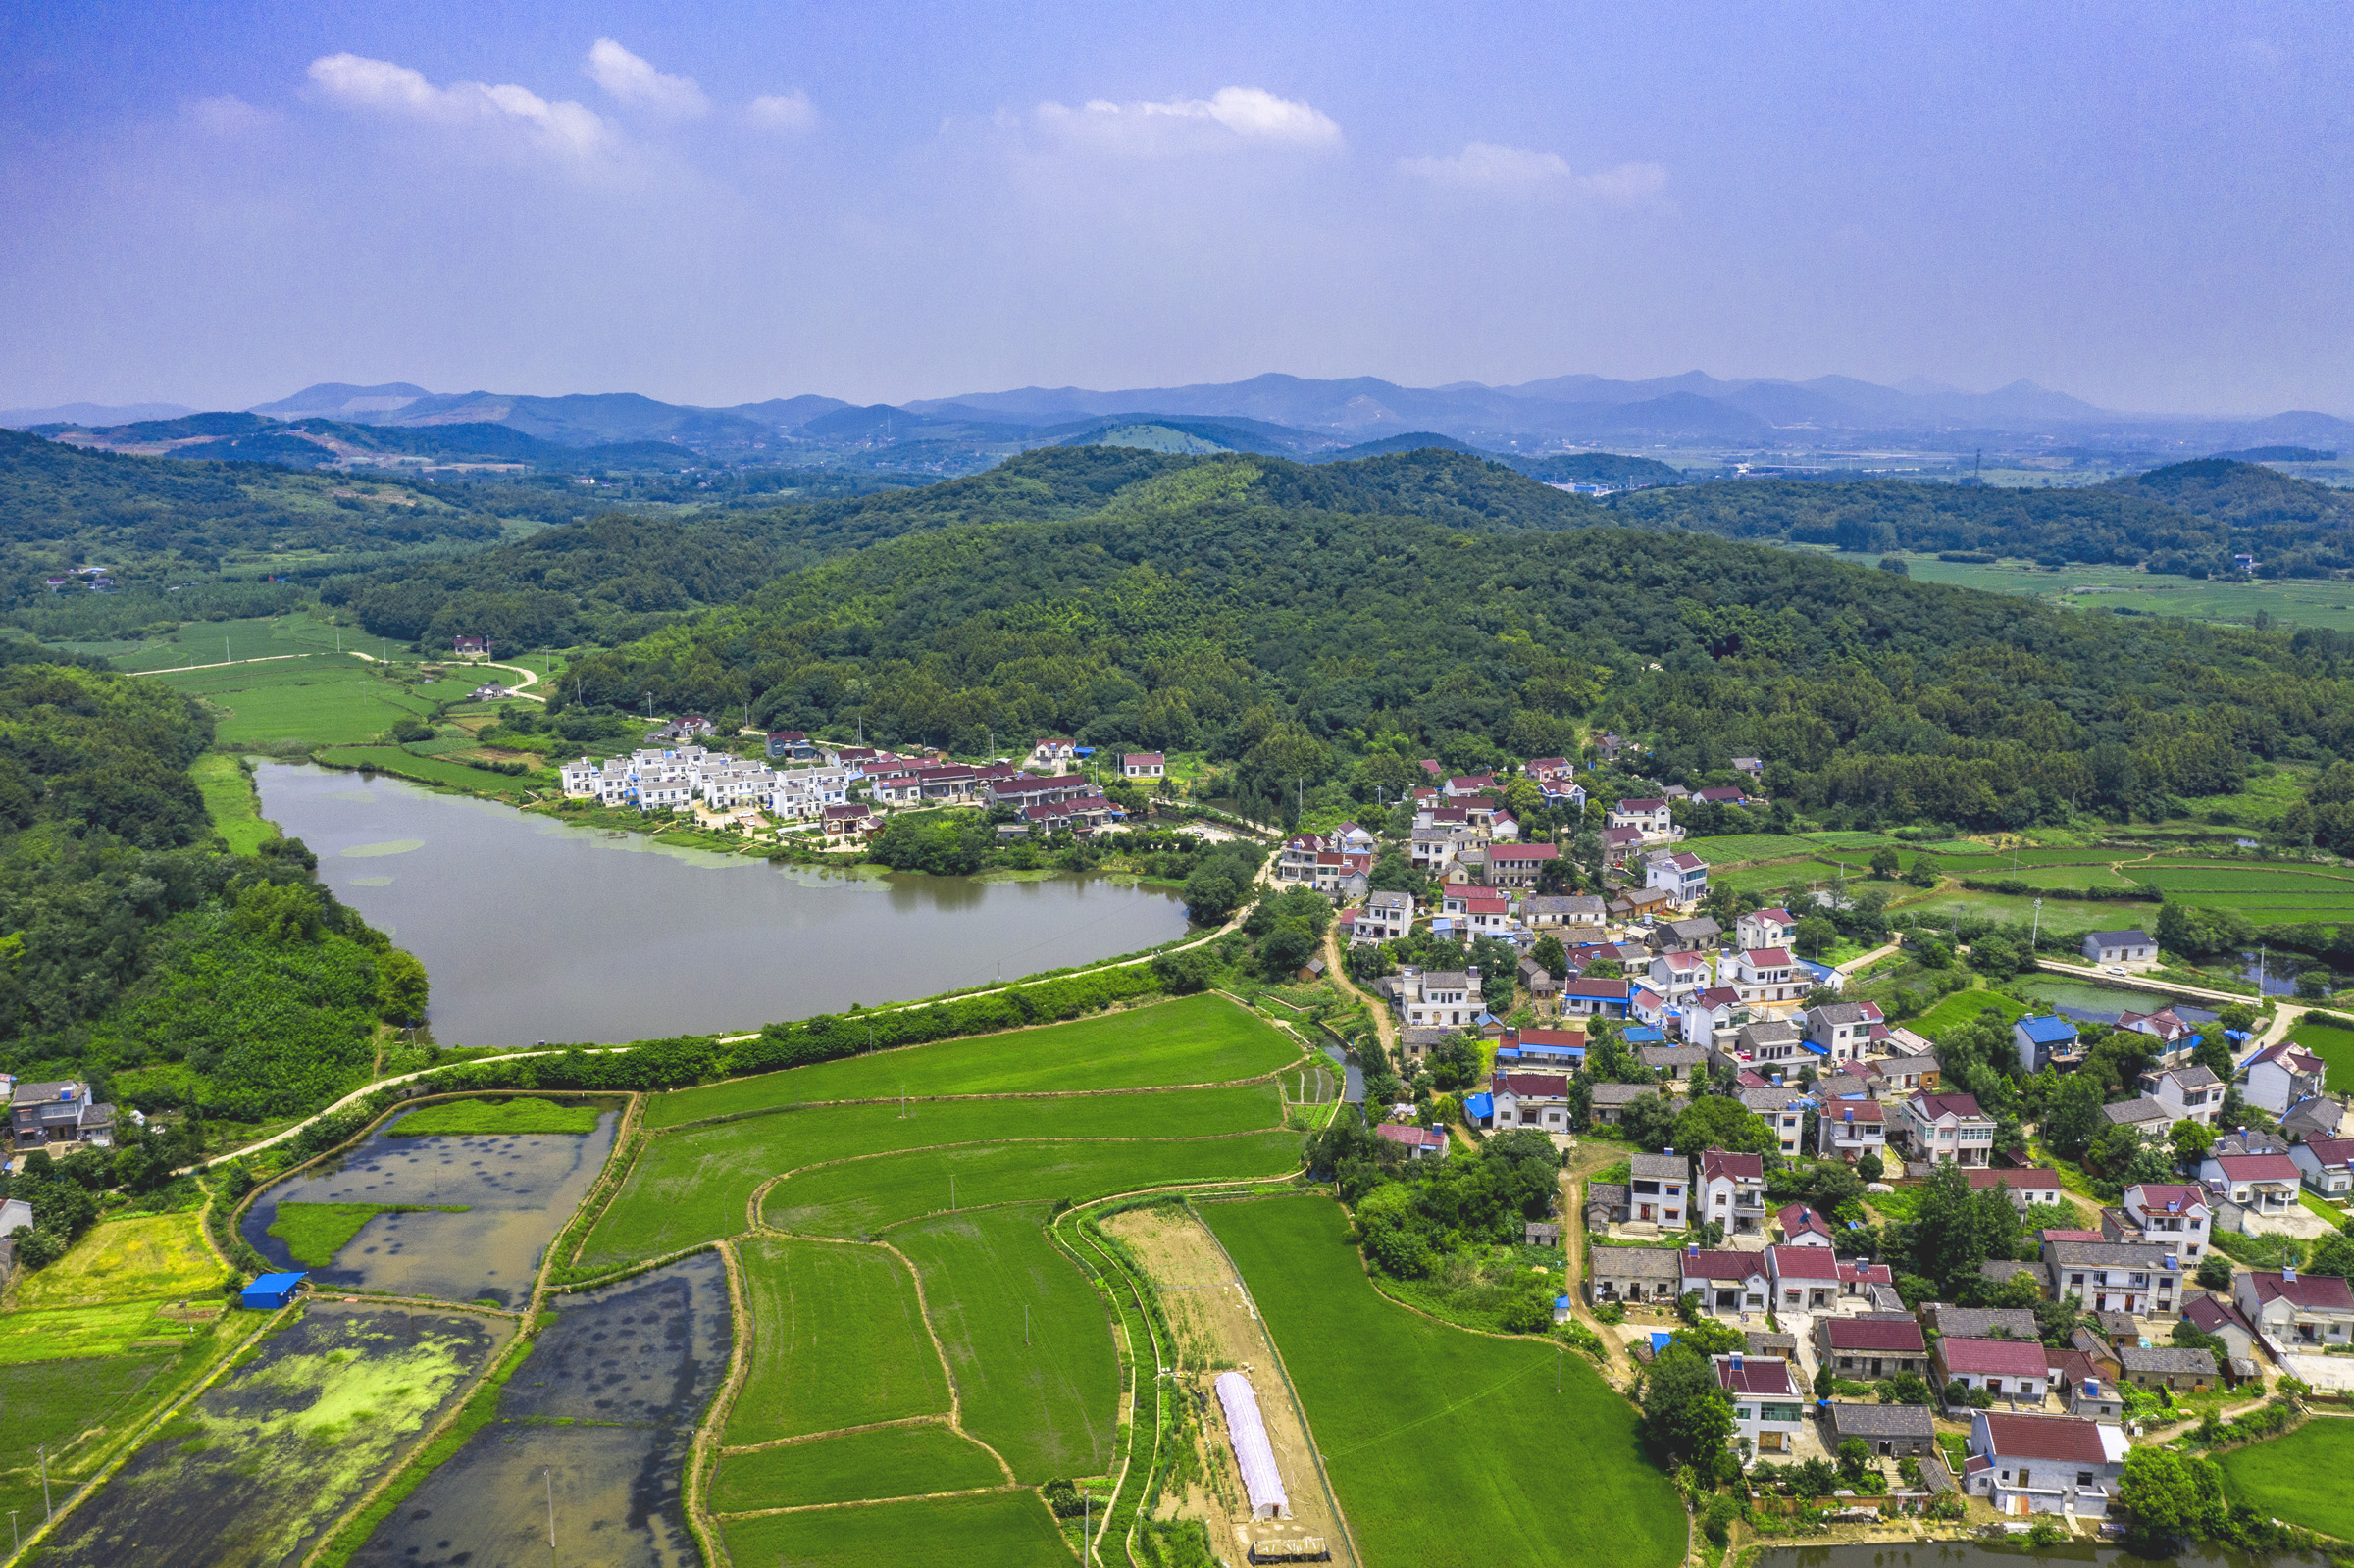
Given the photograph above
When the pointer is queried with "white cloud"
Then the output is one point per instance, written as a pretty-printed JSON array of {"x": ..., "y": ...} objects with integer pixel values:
[
  {"x": 785, "y": 112},
  {"x": 635, "y": 82},
  {"x": 379, "y": 87},
  {"x": 229, "y": 116},
  {"x": 1230, "y": 118},
  {"x": 1523, "y": 174}
]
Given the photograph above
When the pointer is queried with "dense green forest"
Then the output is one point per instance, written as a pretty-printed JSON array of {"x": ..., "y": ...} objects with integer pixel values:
[
  {"x": 1308, "y": 643},
  {"x": 2192, "y": 518},
  {"x": 135, "y": 949}
]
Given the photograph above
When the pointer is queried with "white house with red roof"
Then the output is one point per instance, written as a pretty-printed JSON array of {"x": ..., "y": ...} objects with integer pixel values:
[
  {"x": 2025, "y": 1186},
  {"x": 1769, "y": 1408},
  {"x": 1948, "y": 1130},
  {"x": 2025, "y": 1464},
  {"x": 1517, "y": 865},
  {"x": 2326, "y": 1165},
  {"x": 2020, "y": 1369},
  {"x": 1766, "y": 927},
  {"x": 1809, "y": 1278},
  {"x": 1801, "y": 1226},
  {"x": 1480, "y": 912},
  {"x": 1682, "y": 876},
  {"x": 1727, "y": 1279},
  {"x": 1651, "y": 817},
  {"x": 1709, "y": 1009},
  {"x": 2172, "y": 1214},
  {"x": 2296, "y": 1311},
  {"x": 1595, "y": 998},
  {"x": 1419, "y": 1142},
  {"x": 1732, "y": 1190},
  {"x": 1531, "y": 1099},
  {"x": 1676, "y": 976},
  {"x": 1768, "y": 976},
  {"x": 1055, "y": 754},
  {"x": 2282, "y": 1074},
  {"x": 1469, "y": 784},
  {"x": 2261, "y": 1184},
  {"x": 1142, "y": 765},
  {"x": 1862, "y": 1348},
  {"x": 1851, "y": 1129}
]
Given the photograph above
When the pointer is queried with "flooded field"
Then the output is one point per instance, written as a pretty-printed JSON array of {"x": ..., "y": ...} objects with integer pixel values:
[
  {"x": 599, "y": 1419},
  {"x": 256, "y": 1470},
  {"x": 2088, "y": 1004},
  {"x": 515, "y": 1192}
]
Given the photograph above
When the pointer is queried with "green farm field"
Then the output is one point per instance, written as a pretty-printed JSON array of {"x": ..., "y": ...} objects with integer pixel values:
[
  {"x": 1962, "y": 1007},
  {"x": 854, "y": 1467},
  {"x": 1049, "y": 1406},
  {"x": 998, "y": 1530},
  {"x": 1731, "y": 850},
  {"x": 154, "y": 1257},
  {"x": 121, "y": 1327},
  {"x": 693, "y": 1185},
  {"x": 818, "y": 1309},
  {"x": 1193, "y": 1040},
  {"x": 210, "y": 642},
  {"x": 1454, "y": 1454},
  {"x": 230, "y": 800},
  {"x": 2299, "y": 1478},
  {"x": 315, "y": 700},
  {"x": 56, "y": 1403},
  {"x": 403, "y": 763},
  {"x": 2332, "y": 1046},
  {"x": 863, "y": 1197},
  {"x": 521, "y": 1114},
  {"x": 2289, "y": 602}
]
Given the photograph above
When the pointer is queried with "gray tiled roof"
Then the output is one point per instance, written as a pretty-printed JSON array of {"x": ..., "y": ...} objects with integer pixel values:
[
  {"x": 1881, "y": 1421},
  {"x": 2167, "y": 1358},
  {"x": 1660, "y": 1167}
]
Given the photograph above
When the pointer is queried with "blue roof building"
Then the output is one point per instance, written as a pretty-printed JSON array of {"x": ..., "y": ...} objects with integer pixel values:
[
  {"x": 2043, "y": 1038},
  {"x": 1479, "y": 1109},
  {"x": 1646, "y": 1035},
  {"x": 269, "y": 1291}
]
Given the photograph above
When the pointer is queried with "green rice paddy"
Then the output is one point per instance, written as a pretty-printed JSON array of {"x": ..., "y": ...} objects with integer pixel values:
[
  {"x": 121, "y": 1327},
  {"x": 480, "y": 1117},
  {"x": 1047, "y": 1405},
  {"x": 998, "y": 1530},
  {"x": 856, "y": 1467},
  {"x": 819, "y": 1308},
  {"x": 1194, "y": 1039},
  {"x": 1452, "y": 1449},
  {"x": 2332, "y": 1046},
  {"x": 2299, "y": 1477}
]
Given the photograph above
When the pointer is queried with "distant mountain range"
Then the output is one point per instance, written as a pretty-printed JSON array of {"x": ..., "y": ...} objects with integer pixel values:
[{"x": 1285, "y": 415}]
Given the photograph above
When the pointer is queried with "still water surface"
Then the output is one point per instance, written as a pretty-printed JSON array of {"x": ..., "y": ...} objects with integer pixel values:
[
  {"x": 534, "y": 929},
  {"x": 1972, "y": 1554}
]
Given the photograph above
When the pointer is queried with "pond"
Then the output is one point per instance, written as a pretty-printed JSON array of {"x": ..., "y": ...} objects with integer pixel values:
[
  {"x": 484, "y": 1209},
  {"x": 1975, "y": 1554},
  {"x": 536, "y": 930},
  {"x": 2089, "y": 1003}
]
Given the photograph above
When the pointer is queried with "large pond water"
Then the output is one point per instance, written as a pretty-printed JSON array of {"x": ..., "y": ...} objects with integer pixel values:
[
  {"x": 534, "y": 930},
  {"x": 1973, "y": 1555},
  {"x": 2088, "y": 1004}
]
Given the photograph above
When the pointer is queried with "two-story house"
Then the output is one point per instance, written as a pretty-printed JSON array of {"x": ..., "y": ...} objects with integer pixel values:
[
  {"x": 2025, "y": 1464},
  {"x": 1784, "y": 1110},
  {"x": 1709, "y": 1009},
  {"x": 1765, "y": 1041},
  {"x": 1659, "y": 1190},
  {"x": 1573, "y": 917},
  {"x": 1948, "y": 1130},
  {"x": 1654, "y": 820},
  {"x": 1530, "y": 1099},
  {"x": 1733, "y": 1191},
  {"x": 1676, "y": 976},
  {"x": 1768, "y": 976},
  {"x": 59, "y": 1112},
  {"x": 2140, "y": 1277},
  {"x": 2186, "y": 1094},
  {"x": 2045, "y": 1039},
  {"x": 2326, "y": 1165},
  {"x": 1843, "y": 1030},
  {"x": 1851, "y": 1129},
  {"x": 1809, "y": 1279},
  {"x": 1438, "y": 998},
  {"x": 1385, "y": 916},
  {"x": 2024, "y": 1187},
  {"x": 2296, "y": 1311},
  {"x": 1682, "y": 876},
  {"x": 1865, "y": 1349},
  {"x": 1766, "y": 927},
  {"x": 1769, "y": 1408},
  {"x": 1595, "y": 998},
  {"x": 2172, "y": 1215},
  {"x": 1476, "y": 911},
  {"x": 1512, "y": 865},
  {"x": 2282, "y": 1074}
]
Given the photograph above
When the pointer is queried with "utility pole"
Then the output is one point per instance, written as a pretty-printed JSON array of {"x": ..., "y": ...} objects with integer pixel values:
[
  {"x": 2036, "y": 929},
  {"x": 1025, "y": 1323},
  {"x": 550, "y": 1473},
  {"x": 48, "y": 1510}
]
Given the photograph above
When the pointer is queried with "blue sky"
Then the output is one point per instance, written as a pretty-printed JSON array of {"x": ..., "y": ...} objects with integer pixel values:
[{"x": 217, "y": 204}]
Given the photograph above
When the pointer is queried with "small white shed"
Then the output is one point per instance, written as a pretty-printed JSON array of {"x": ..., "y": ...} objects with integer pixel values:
[{"x": 1253, "y": 1454}]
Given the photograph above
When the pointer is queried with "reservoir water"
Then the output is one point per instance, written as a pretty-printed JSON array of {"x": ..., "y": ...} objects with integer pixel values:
[
  {"x": 536, "y": 930},
  {"x": 2078, "y": 1553}
]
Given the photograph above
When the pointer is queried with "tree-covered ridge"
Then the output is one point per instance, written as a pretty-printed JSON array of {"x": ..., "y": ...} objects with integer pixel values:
[
  {"x": 2192, "y": 518},
  {"x": 1304, "y": 642},
  {"x": 135, "y": 949}
]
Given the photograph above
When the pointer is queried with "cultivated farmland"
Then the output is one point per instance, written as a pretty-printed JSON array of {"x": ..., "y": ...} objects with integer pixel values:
[
  {"x": 818, "y": 1309},
  {"x": 2332, "y": 1046},
  {"x": 487, "y": 1117},
  {"x": 856, "y": 1467},
  {"x": 1455, "y": 1454},
  {"x": 996, "y": 1530},
  {"x": 1194, "y": 1039},
  {"x": 2299, "y": 1478},
  {"x": 154, "y": 1256}
]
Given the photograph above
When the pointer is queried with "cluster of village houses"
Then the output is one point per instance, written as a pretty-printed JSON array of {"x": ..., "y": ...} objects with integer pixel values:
[
  {"x": 843, "y": 793},
  {"x": 1834, "y": 1080}
]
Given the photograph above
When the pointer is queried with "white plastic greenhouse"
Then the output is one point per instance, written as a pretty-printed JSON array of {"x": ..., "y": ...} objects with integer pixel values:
[{"x": 1260, "y": 1479}]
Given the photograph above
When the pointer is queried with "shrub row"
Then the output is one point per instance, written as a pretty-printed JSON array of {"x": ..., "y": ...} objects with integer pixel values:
[{"x": 2138, "y": 893}]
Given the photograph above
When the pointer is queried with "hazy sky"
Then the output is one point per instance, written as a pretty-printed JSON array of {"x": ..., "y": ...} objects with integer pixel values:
[{"x": 216, "y": 204}]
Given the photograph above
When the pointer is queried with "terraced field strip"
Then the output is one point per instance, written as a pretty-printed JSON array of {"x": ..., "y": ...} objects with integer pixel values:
[
  {"x": 926, "y": 1459},
  {"x": 993, "y": 1530},
  {"x": 1146, "y": 1369},
  {"x": 1198, "y": 1039},
  {"x": 1453, "y": 1456},
  {"x": 697, "y": 1184},
  {"x": 818, "y": 1310}
]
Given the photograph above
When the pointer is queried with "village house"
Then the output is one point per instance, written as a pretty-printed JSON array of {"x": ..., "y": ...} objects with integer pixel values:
[
  {"x": 1594, "y": 998},
  {"x": 1765, "y": 1041},
  {"x": 1659, "y": 1191},
  {"x": 1766, "y": 927},
  {"x": 1652, "y": 820},
  {"x": 2140, "y": 1277},
  {"x": 1419, "y": 1142},
  {"x": 1435, "y": 848},
  {"x": 1843, "y": 1031},
  {"x": 1768, "y": 1410},
  {"x": 1948, "y": 1130},
  {"x": 1142, "y": 765},
  {"x": 2015, "y": 1368},
  {"x": 1573, "y": 917},
  {"x": 2174, "y": 1368},
  {"x": 63, "y": 1111},
  {"x": 790, "y": 746},
  {"x": 1682, "y": 876},
  {"x": 1733, "y": 1191},
  {"x": 1710, "y": 1009},
  {"x": 1547, "y": 1047},
  {"x": 1477, "y": 912},
  {"x": 1694, "y": 934},
  {"x": 2260, "y": 1183},
  {"x": 1767, "y": 977},
  {"x": 2326, "y": 1165},
  {"x": 2295, "y": 1311},
  {"x": 2144, "y": 1115},
  {"x": 1801, "y": 1226},
  {"x": 2126, "y": 949},
  {"x": 1783, "y": 1109},
  {"x": 1053, "y": 754},
  {"x": 2024, "y": 1464},
  {"x": 1530, "y": 1099},
  {"x": 1513, "y": 865},
  {"x": 1867, "y": 1348},
  {"x": 1610, "y": 1100},
  {"x": 1537, "y": 983},
  {"x": 1851, "y": 1129},
  {"x": 2281, "y": 1075},
  {"x": 1811, "y": 1280},
  {"x": 2317, "y": 1116},
  {"x": 1978, "y": 1323},
  {"x": 1029, "y": 789},
  {"x": 2045, "y": 1039},
  {"x": 2222, "y": 1316},
  {"x": 1386, "y": 917},
  {"x": 2171, "y": 1214},
  {"x": 1676, "y": 976},
  {"x": 2165, "y": 1027},
  {"x": 1907, "y": 1073},
  {"x": 1887, "y": 1431},
  {"x": 2024, "y": 1186},
  {"x": 1726, "y": 1280},
  {"x": 1632, "y": 1272},
  {"x": 1438, "y": 998},
  {"x": 1079, "y": 816},
  {"x": 2186, "y": 1094},
  {"x": 471, "y": 645}
]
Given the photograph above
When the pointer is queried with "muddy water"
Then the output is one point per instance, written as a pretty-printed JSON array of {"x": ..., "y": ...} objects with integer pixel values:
[
  {"x": 601, "y": 1417},
  {"x": 518, "y": 1190}
]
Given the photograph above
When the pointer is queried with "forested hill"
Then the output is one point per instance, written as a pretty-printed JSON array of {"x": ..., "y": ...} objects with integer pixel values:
[
  {"x": 2190, "y": 518},
  {"x": 613, "y": 577},
  {"x": 1304, "y": 641}
]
